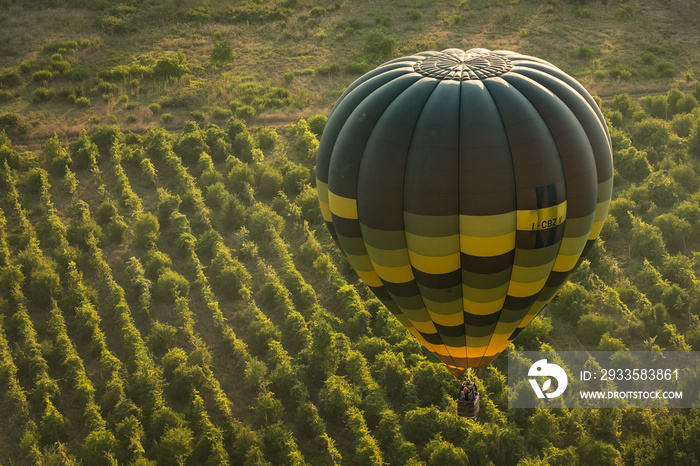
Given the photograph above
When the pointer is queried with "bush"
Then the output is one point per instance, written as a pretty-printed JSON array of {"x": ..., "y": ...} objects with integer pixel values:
[
  {"x": 198, "y": 115},
  {"x": 146, "y": 229},
  {"x": 317, "y": 123},
  {"x": 220, "y": 113},
  {"x": 78, "y": 73},
  {"x": 82, "y": 102},
  {"x": 245, "y": 111},
  {"x": 262, "y": 219},
  {"x": 190, "y": 146},
  {"x": 104, "y": 137},
  {"x": 84, "y": 152},
  {"x": 155, "y": 262},
  {"x": 171, "y": 66},
  {"x": 162, "y": 337},
  {"x": 267, "y": 137},
  {"x": 42, "y": 76},
  {"x": 585, "y": 52},
  {"x": 222, "y": 54},
  {"x": 171, "y": 285},
  {"x": 379, "y": 45},
  {"x": 10, "y": 78},
  {"x": 43, "y": 94},
  {"x": 14, "y": 123},
  {"x": 666, "y": 70}
]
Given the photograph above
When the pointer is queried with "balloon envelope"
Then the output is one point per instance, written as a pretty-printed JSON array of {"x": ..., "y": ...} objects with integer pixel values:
[{"x": 464, "y": 187}]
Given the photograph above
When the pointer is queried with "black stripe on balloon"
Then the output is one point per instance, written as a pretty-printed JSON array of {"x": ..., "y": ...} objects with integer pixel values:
[
  {"x": 432, "y": 338},
  {"x": 451, "y": 330}
]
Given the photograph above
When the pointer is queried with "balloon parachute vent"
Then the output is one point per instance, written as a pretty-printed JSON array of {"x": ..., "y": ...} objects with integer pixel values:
[{"x": 460, "y": 65}]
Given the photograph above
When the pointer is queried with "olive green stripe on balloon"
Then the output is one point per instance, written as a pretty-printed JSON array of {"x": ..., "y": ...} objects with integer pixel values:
[
  {"x": 431, "y": 225},
  {"x": 352, "y": 245},
  {"x": 388, "y": 257},
  {"x": 487, "y": 295},
  {"x": 475, "y": 331},
  {"x": 409, "y": 303},
  {"x": 487, "y": 225},
  {"x": 383, "y": 239},
  {"x": 434, "y": 246},
  {"x": 535, "y": 257},
  {"x": 531, "y": 274},
  {"x": 476, "y": 343},
  {"x": 455, "y": 342},
  {"x": 417, "y": 315},
  {"x": 476, "y": 283},
  {"x": 511, "y": 316},
  {"x": 605, "y": 190},
  {"x": 578, "y": 227}
]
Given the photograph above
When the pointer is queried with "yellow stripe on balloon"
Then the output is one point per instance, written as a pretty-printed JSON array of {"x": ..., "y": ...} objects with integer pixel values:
[
  {"x": 541, "y": 219},
  {"x": 487, "y": 246},
  {"x": 435, "y": 265},
  {"x": 342, "y": 206}
]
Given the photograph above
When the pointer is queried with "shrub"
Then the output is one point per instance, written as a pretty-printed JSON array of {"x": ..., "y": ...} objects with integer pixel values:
[
  {"x": 105, "y": 211},
  {"x": 378, "y": 44},
  {"x": 84, "y": 152},
  {"x": 289, "y": 77},
  {"x": 666, "y": 70},
  {"x": 43, "y": 94},
  {"x": 317, "y": 12},
  {"x": 585, "y": 52},
  {"x": 78, "y": 73},
  {"x": 118, "y": 229},
  {"x": 162, "y": 337},
  {"x": 198, "y": 115},
  {"x": 14, "y": 123},
  {"x": 146, "y": 228},
  {"x": 190, "y": 146},
  {"x": 166, "y": 118},
  {"x": 171, "y": 285},
  {"x": 154, "y": 108},
  {"x": 222, "y": 53},
  {"x": 357, "y": 67},
  {"x": 171, "y": 66},
  {"x": 10, "y": 78},
  {"x": 220, "y": 113},
  {"x": 82, "y": 102},
  {"x": 317, "y": 123},
  {"x": 42, "y": 76},
  {"x": 104, "y": 137},
  {"x": 262, "y": 219},
  {"x": 267, "y": 137},
  {"x": 155, "y": 262},
  {"x": 245, "y": 111}
]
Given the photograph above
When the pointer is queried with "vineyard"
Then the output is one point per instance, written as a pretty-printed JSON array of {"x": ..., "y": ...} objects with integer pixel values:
[{"x": 170, "y": 295}]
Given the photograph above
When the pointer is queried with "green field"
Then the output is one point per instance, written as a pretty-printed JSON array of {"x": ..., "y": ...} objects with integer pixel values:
[{"x": 170, "y": 295}]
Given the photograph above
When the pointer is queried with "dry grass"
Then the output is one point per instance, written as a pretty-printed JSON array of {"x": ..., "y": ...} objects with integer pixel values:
[{"x": 552, "y": 31}]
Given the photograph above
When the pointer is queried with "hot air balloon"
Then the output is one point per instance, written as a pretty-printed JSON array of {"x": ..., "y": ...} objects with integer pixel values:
[{"x": 464, "y": 187}]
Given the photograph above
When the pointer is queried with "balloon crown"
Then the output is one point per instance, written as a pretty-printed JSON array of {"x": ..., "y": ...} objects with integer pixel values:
[{"x": 460, "y": 65}]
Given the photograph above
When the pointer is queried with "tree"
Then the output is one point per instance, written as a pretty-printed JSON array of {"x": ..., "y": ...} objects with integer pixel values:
[
  {"x": 647, "y": 241},
  {"x": 336, "y": 397},
  {"x": 84, "y": 152},
  {"x": 146, "y": 228},
  {"x": 438, "y": 452},
  {"x": 171, "y": 285},
  {"x": 175, "y": 446}
]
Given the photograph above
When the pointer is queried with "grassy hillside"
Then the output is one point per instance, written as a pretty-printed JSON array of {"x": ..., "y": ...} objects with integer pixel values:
[{"x": 169, "y": 295}]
